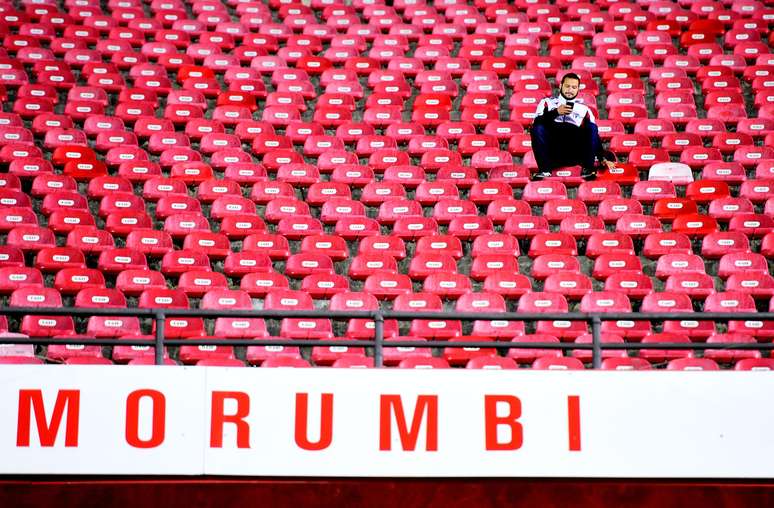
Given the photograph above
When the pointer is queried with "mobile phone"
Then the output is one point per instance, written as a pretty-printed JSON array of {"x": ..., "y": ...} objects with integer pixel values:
[{"x": 571, "y": 103}]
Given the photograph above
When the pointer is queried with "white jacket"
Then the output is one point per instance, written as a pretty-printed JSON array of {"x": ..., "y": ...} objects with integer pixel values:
[{"x": 576, "y": 117}]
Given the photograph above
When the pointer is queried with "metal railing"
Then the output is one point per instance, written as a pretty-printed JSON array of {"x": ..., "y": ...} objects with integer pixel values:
[{"x": 160, "y": 315}]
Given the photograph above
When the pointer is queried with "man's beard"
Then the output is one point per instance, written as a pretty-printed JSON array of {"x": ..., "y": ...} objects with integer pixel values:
[{"x": 568, "y": 98}]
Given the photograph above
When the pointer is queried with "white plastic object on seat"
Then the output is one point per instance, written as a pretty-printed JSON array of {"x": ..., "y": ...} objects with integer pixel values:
[{"x": 675, "y": 172}]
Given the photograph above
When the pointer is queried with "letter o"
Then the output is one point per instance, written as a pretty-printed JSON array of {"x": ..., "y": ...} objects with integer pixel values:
[{"x": 158, "y": 418}]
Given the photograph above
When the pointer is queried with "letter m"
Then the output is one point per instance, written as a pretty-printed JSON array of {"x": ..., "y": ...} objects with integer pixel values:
[
  {"x": 426, "y": 405},
  {"x": 32, "y": 401}
]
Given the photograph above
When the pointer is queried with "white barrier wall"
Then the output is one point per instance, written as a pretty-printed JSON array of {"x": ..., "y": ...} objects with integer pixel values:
[{"x": 340, "y": 422}]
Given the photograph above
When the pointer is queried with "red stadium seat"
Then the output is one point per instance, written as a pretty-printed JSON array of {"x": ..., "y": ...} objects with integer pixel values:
[
  {"x": 688, "y": 364},
  {"x": 557, "y": 363}
]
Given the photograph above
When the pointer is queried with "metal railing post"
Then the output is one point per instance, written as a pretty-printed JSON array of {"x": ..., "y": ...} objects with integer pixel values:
[
  {"x": 159, "y": 353},
  {"x": 596, "y": 352},
  {"x": 379, "y": 339}
]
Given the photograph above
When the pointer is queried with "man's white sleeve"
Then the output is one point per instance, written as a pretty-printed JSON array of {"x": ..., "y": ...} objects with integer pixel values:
[
  {"x": 591, "y": 115},
  {"x": 541, "y": 108}
]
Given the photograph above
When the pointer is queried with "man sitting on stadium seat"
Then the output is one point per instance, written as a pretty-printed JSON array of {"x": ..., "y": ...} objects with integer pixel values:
[{"x": 564, "y": 133}]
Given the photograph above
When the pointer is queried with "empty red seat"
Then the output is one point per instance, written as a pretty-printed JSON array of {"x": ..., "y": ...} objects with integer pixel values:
[
  {"x": 446, "y": 210},
  {"x": 553, "y": 243},
  {"x": 285, "y": 362},
  {"x": 725, "y": 209},
  {"x": 387, "y": 285},
  {"x": 393, "y": 209},
  {"x": 599, "y": 243},
  {"x": 625, "y": 363},
  {"x": 14, "y": 277},
  {"x": 30, "y": 238},
  {"x": 11, "y": 257},
  {"x": 671, "y": 264},
  {"x": 750, "y": 224},
  {"x": 179, "y": 225},
  {"x": 427, "y": 328},
  {"x": 231, "y": 327},
  {"x": 667, "y": 209},
  {"x": 703, "y": 191},
  {"x": 638, "y": 225},
  {"x": 45, "y": 326},
  {"x": 595, "y": 192},
  {"x": 611, "y": 210},
  {"x": 547, "y": 264},
  {"x": 661, "y": 355},
  {"x": 426, "y": 263},
  {"x": 414, "y": 227},
  {"x": 171, "y": 205},
  {"x": 525, "y": 226},
  {"x": 331, "y": 245},
  {"x": 299, "y": 328},
  {"x": 585, "y": 355},
  {"x": 720, "y": 243},
  {"x": 428, "y": 193},
  {"x": 464, "y": 355},
  {"x": 491, "y": 363},
  {"x": 557, "y": 363},
  {"x": 134, "y": 281},
  {"x": 214, "y": 355},
  {"x": 324, "y": 285},
  {"x": 487, "y": 264},
  {"x": 390, "y": 245},
  {"x": 492, "y": 243},
  {"x": 195, "y": 282},
  {"x": 489, "y": 302},
  {"x": 540, "y": 192},
  {"x": 571, "y": 284},
  {"x": 53, "y": 259},
  {"x": 551, "y": 302},
  {"x": 529, "y": 355},
  {"x": 760, "y": 364},
  {"x": 76, "y": 354},
  {"x": 694, "y": 225},
  {"x": 320, "y": 192},
  {"x": 606, "y": 265},
  {"x": 306, "y": 263},
  {"x": 174, "y": 326},
  {"x": 213, "y": 245},
  {"x": 375, "y": 193},
  {"x": 650, "y": 191},
  {"x": 228, "y": 206},
  {"x": 624, "y": 143},
  {"x": 240, "y": 226},
  {"x": 31, "y": 296},
  {"x": 661, "y": 243},
  {"x": 257, "y": 284},
  {"x": 449, "y": 285},
  {"x": 676, "y": 302},
  {"x": 758, "y": 285},
  {"x": 756, "y": 190},
  {"x": 580, "y": 226},
  {"x": 689, "y": 364},
  {"x": 696, "y": 285},
  {"x": 360, "y": 328},
  {"x": 118, "y": 259},
  {"x": 635, "y": 285},
  {"x": 107, "y": 326},
  {"x": 555, "y": 210},
  {"x": 423, "y": 363},
  {"x": 730, "y": 355}
]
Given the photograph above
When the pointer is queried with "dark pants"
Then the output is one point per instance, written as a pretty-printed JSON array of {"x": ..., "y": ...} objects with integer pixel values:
[{"x": 556, "y": 145}]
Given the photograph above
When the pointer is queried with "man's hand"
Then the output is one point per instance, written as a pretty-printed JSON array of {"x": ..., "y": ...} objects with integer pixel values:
[
  {"x": 608, "y": 164},
  {"x": 564, "y": 109}
]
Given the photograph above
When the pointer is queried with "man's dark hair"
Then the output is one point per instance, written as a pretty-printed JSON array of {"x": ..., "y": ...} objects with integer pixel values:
[{"x": 570, "y": 75}]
